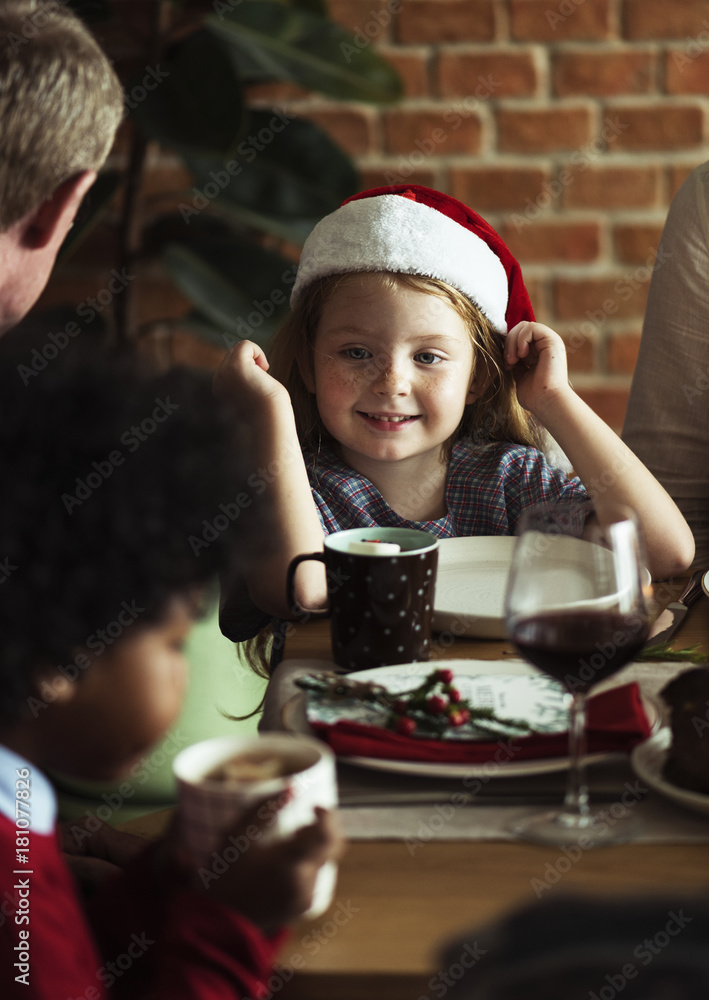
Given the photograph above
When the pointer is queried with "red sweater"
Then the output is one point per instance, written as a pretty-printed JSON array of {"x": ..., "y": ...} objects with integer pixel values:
[{"x": 177, "y": 943}]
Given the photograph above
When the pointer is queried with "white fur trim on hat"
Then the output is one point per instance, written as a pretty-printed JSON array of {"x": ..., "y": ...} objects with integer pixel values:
[{"x": 396, "y": 234}]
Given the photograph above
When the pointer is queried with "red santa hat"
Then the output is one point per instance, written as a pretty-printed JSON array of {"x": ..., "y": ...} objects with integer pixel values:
[{"x": 411, "y": 229}]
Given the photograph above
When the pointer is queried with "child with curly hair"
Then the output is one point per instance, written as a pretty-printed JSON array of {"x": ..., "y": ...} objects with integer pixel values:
[
  {"x": 411, "y": 386},
  {"x": 106, "y": 473}
]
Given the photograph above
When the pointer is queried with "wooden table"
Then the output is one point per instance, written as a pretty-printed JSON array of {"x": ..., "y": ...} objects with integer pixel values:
[{"x": 393, "y": 910}]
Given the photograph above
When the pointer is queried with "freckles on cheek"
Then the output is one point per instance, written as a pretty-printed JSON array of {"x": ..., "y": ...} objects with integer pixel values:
[
  {"x": 334, "y": 380},
  {"x": 443, "y": 387}
]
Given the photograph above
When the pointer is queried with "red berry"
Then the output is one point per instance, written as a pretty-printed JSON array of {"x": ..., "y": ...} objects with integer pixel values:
[
  {"x": 454, "y": 694},
  {"x": 445, "y": 676},
  {"x": 436, "y": 705},
  {"x": 459, "y": 717},
  {"x": 405, "y": 726},
  {"x": 400, "y": 706}
]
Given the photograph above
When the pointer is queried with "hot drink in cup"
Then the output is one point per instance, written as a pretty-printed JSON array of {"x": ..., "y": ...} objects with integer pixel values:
[
  {"x": 381, "y": 588},
  {"x": 218, "y": 779}
]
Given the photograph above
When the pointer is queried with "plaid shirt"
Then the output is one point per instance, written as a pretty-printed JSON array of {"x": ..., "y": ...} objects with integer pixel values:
[{"x": 488, "y": 488}]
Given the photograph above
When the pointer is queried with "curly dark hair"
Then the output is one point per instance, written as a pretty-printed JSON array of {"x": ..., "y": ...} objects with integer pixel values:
[{"x": 108, "y": 475}]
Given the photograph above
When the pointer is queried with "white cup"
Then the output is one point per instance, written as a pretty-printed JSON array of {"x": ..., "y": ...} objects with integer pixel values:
[{"x": 209, "y": 807}]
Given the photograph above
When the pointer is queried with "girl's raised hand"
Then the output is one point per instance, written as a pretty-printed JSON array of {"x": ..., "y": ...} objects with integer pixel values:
[
  {"x": 537, "y": 356},
  {"x": 242, "y": 379}
]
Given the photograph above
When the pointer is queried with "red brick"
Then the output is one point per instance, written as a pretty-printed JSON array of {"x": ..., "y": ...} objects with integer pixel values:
[
  {"x": 497, "y": 189},
  {"x": 399, "y": 172},
  {"x": 274, "y": 93},
  {"x": 543, "y": 130},
  {"x": 604, "y": 73},
  {"x": 685, "y": 73},
  {"x": 581, "y": 351},
  {"x": 372, "y": 18},
  {"x": 609, "y": 402},
  {"x": 614, "y": 187},
  {"x": 545, "y": 242},
  {"x": 430, "y": 132},
  {"x": 186, "y": 349},
  {"x": 634, "y": 244},
  {"x": 412, "y": 65},
  {"x": 71, "y": 287},
  {"x": 602, "y": 300},
  {"x": 559, "y": 20},
  {"x": 663, "y": 19},
  {"x": 660, "y": 126},
  {"x": 622, "y": 353},
  {"x": 162, "y": 178},
  {"x": 537, "y": 288},
  {"x": 489, "y": 73},
  {"x": 157, "y": 299},
  {"x": 352, "y": 130},
  {"x": 432, "y": 21}
]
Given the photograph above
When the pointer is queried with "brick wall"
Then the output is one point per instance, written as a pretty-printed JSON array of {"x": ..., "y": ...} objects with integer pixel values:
[{"x": 569, "y": 124}]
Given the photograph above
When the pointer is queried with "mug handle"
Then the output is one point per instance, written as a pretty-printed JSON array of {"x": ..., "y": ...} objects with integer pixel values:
[{"x": 290, "y": 584}]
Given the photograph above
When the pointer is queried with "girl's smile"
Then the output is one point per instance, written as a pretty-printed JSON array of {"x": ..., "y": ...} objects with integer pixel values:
[
  {"x": 391, "y": 374},
  {"x": 389, "y": 421}
]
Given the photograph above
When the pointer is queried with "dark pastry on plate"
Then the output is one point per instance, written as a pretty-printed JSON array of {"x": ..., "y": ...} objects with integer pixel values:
[{"x": 687, "y": 763}]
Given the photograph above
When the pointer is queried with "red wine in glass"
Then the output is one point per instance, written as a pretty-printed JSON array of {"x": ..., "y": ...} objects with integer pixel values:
[
  {"x": 579, "y": 648},
  {"x": 575, "y": 608}
]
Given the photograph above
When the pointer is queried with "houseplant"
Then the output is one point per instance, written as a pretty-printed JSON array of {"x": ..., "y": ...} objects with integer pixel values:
[{"x": 262, "y": 177}]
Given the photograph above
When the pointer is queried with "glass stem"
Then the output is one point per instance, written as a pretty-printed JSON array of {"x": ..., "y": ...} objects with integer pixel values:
[{"x": 576, "y": 800}]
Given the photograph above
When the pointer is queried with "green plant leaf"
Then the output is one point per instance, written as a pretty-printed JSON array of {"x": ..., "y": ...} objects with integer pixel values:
[
  {"x": 294, "y": 231},
  {"x": 200, "y": 325},
  {"x": 664, "y": 651},
  {"x": 193, "y": 102},
  {"x": 242, "y": 289},
  {"x": 297, "y": 173},
  {"x": 300, "y": 47},
  {"x": 94, "y": 206}
]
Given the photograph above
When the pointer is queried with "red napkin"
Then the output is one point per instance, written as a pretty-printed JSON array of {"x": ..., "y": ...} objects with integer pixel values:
[{"x": 616, "y": 722}]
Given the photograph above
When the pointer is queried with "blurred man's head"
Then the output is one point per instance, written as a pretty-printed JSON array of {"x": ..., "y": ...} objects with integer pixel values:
[{"x": 60, "y": 106}]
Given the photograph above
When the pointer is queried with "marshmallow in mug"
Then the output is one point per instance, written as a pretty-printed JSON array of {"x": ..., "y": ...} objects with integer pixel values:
[{"x": 373, "y": 547}]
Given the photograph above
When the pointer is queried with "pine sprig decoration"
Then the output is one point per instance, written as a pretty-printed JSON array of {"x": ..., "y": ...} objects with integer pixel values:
[
  {"x": 431, "y": 710},
  {"x": 664, "y": 651},
  {"x": 436, "y": 706}
]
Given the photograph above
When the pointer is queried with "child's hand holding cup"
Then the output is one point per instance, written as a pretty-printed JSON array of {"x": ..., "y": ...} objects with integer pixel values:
[{"x": 219, "y": 780}]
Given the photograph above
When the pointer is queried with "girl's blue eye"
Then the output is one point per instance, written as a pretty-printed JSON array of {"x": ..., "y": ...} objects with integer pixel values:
[
  {"x": 427, "y": 358},
  {"x": 357, "y": 354}
]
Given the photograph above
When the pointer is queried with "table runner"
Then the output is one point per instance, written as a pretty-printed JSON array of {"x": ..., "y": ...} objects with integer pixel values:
[{"x": 452, "y": 816}]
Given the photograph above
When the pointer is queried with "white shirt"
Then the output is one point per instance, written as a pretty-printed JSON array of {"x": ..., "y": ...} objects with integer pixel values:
[{"x": 42, "y": 800}]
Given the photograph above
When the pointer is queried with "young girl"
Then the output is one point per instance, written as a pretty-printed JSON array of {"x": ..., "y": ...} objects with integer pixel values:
[{"x": 411, "y": 386}]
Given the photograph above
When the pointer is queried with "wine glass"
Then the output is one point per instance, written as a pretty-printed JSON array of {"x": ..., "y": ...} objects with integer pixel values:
[{"x": 575, "y": 608}]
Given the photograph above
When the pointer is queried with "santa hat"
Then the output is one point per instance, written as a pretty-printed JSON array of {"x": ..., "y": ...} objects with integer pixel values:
[{"x": 411, "y": 229}]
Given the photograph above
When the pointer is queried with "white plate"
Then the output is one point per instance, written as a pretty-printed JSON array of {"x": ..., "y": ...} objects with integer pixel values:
[
  {"x": 648, "y": 760},
  {"x": 499, "y": 686},
  {"x": 470, "y": 585},
  {"x": 472, "y": 581}
]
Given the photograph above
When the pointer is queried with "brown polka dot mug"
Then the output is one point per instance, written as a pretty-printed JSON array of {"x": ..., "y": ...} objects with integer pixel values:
[{"x": 381, "y": 588}]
